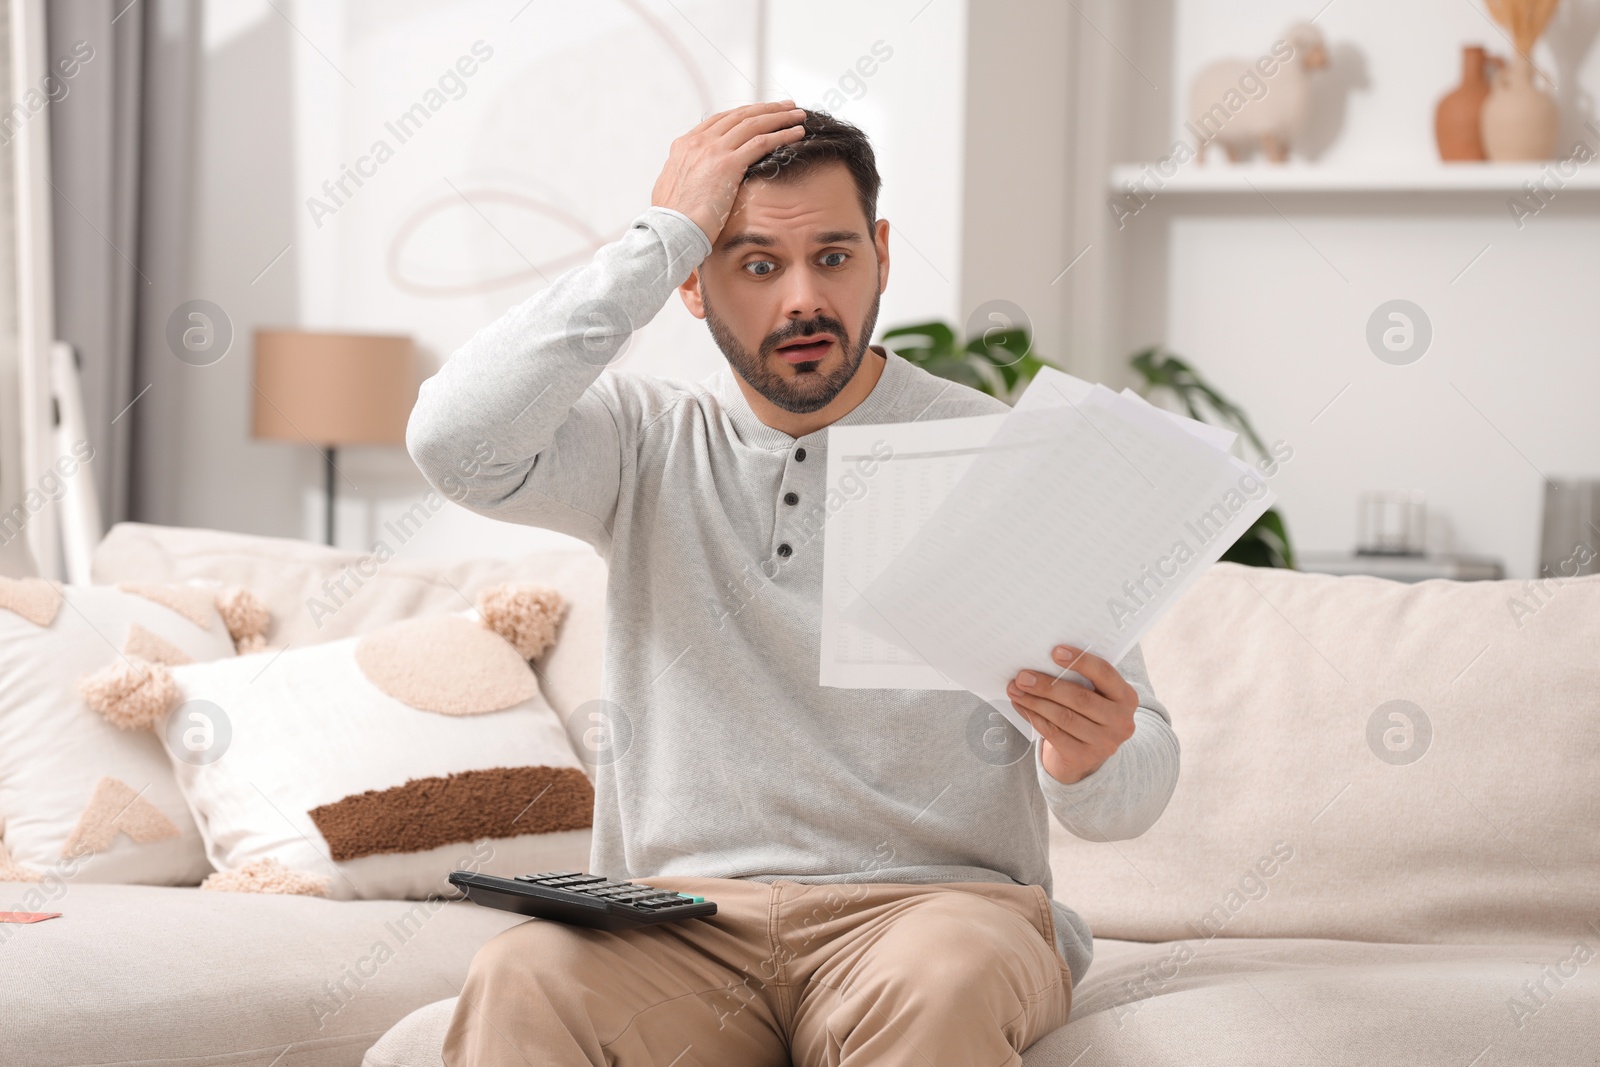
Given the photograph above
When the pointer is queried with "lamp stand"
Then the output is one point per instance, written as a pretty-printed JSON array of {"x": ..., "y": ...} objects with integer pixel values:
[{"x": 327, "y": 517}]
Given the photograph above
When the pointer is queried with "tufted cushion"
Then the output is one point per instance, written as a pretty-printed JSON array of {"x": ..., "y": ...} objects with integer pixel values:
[
  {"x": 80, "y": 797},
  {"x": 299, "y": 581}
]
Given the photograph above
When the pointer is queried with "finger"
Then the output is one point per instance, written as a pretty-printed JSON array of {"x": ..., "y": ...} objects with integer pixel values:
[
  {"x": 723, "y": 121},
  {"x": 726, "y": 120},
  {"x": 1106, "y": 678},
  {"x": 1113, "y": 728},
  {"x": 765, "y": 121},
  {"x": 1063, "y": 720},
  {"x": 764, "y": 127},
  {"x": 1063, "y": 691},
  {"x": 760, "y": 145},
  {"x": 1064, "y": 741},
  {"x": 714, "y": 121}
]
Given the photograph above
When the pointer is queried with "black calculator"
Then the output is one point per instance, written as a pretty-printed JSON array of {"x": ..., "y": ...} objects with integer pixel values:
[{"x": 580, "y": 899}]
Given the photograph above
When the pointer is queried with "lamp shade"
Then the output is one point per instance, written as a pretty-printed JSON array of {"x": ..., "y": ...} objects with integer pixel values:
[{"x": 333, "y": 388}]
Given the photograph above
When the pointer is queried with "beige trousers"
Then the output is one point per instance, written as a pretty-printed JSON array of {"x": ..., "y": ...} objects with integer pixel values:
[{"x": 961, "y": 973}]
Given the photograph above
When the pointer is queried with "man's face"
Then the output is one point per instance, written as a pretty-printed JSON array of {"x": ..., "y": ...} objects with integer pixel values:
[{"x": 795, "y": 261}]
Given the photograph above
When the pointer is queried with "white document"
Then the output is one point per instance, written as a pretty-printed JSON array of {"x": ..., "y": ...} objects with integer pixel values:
[
  {"x": 980, "y": 544},
  {"x": 885, "y": 502},
  {"x": 1213, "y": 435}
]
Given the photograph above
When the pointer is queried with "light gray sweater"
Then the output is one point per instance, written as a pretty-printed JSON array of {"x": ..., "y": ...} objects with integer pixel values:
[{"x": 727, "y": 759}]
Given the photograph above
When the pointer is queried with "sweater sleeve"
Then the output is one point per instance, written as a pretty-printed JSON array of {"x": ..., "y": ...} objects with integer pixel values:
[
  {"x": 1124, "y": 796},
  {"x": 518, "y": 423}
]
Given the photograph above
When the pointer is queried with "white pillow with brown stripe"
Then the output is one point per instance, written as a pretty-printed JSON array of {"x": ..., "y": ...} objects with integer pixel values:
[
  {"x": 371, "y": 767},
  {"x": 83, "y": 798}
]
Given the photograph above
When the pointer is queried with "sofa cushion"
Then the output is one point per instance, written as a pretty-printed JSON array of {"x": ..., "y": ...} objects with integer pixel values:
[
  {"x": 317, "y": 593},
  {"x": 1291, "y": 1003},
  {"x": 1311, "y": 1003},
  {"x": 1367, "y": 760},
  {"x": 157, "y": 975},
  {"x": 415, "y": 1040},
  {"x": 320, "y": 761},
  {"x": 80, "y": 797}
]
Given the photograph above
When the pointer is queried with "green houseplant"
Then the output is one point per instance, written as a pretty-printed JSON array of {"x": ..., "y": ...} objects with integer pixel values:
[
  {"x": 1001, "y": 362},
  {"x": 997, "y": 362}
]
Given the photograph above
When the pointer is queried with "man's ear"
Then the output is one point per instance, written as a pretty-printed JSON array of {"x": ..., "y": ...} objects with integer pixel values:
[
  {"x": 880, "y": 245},
  {"x": 690, "y": 292}
]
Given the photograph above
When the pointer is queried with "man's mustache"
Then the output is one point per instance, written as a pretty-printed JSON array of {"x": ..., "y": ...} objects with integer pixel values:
[{"x": 794, "y": 331}]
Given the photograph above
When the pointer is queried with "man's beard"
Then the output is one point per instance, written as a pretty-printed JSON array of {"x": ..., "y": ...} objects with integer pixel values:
[{"x": 810, "y": 390}]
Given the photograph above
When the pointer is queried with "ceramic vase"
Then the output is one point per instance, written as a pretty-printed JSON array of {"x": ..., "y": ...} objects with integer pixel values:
[
  {"x": 1520, "y": 121},
  {"x": 1456, "y": 122}
]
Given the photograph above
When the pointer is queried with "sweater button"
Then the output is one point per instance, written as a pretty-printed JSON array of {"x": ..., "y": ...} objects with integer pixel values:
[
  {"x": 791, "y": 499},
  {"x": 785, "y": 551},
  {"x": 800, "y": 455}
]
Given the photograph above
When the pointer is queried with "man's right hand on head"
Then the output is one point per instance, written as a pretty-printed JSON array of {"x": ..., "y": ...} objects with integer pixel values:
[{"x": 706, "y": 165}]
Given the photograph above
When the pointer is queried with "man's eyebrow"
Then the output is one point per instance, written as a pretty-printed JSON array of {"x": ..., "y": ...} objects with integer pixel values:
[
  {"x": 740, "y": 240},
  {"x": 762, "y": 240}
]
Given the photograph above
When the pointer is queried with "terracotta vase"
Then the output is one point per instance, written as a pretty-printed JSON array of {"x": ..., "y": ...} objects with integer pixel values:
[
  {"x": 1456, "y": 122},
  {"x": 1520, "y": 120}
]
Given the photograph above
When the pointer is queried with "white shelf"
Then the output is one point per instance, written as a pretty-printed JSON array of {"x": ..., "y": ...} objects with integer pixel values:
[
  {"x": 1404, "y": 568},
  {"x": 1217, "y": 175}
]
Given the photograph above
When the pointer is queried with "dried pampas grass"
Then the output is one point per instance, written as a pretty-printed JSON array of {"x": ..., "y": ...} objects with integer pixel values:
[{"x": 1525, "y": 20}]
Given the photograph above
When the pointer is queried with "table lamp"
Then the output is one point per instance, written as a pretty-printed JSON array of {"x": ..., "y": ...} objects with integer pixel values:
[{"x": 332, "y": 389}]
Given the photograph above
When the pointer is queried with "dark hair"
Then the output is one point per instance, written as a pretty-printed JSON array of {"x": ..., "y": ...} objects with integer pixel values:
[{"x": 827, "y": 140}]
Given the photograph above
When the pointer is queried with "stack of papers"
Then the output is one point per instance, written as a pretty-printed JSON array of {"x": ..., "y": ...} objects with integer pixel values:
[{"x": 964, "y": 550}]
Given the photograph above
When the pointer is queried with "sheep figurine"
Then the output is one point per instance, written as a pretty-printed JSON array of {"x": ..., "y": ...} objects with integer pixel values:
[{"x": 1237, "y": 103}]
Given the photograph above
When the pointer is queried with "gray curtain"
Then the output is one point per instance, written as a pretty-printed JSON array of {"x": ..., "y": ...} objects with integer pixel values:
[
  {"x": 15, "y": 559},
  {"x": 120, "y": 142}
]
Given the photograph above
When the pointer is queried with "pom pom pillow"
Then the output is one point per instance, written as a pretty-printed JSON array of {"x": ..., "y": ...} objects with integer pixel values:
[
  {"x": 82, "y": 796},
  {"x": 373, "y": 766}
]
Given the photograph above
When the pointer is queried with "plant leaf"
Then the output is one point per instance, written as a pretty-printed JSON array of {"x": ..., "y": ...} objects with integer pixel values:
[{"x": 1264, "y": 544}]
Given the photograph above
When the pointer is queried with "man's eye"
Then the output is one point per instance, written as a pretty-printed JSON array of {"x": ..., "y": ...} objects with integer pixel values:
[
  {"x": 830, "y": 255},
  {"x": 760, "y": 263}
]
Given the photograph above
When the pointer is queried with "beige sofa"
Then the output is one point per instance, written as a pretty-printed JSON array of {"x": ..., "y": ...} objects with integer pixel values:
[{"x": 1316, "y": 893}]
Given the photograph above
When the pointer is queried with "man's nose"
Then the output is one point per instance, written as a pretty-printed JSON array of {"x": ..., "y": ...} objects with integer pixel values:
[{"x": 802, "y": 298}]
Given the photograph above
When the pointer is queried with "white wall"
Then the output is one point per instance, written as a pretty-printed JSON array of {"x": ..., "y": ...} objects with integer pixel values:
[
  {"x": 553, "y": 146},
  {"x": 1023, "y": 72},
  {"x": 911, "y": 106},
  {"x": 1271, "y": 300}
]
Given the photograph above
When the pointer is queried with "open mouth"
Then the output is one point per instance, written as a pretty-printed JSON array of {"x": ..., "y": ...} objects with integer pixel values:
[{"x": 806, "y": 349}]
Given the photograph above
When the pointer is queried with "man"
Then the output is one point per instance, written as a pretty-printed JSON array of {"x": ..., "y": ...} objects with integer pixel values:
[{"x": 882, "y": 879}]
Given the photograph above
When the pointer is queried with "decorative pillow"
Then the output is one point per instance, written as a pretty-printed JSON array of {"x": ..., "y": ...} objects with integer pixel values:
[
  {"x": 79, "y": 794},
  {"x": 371, "y": 767}
]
